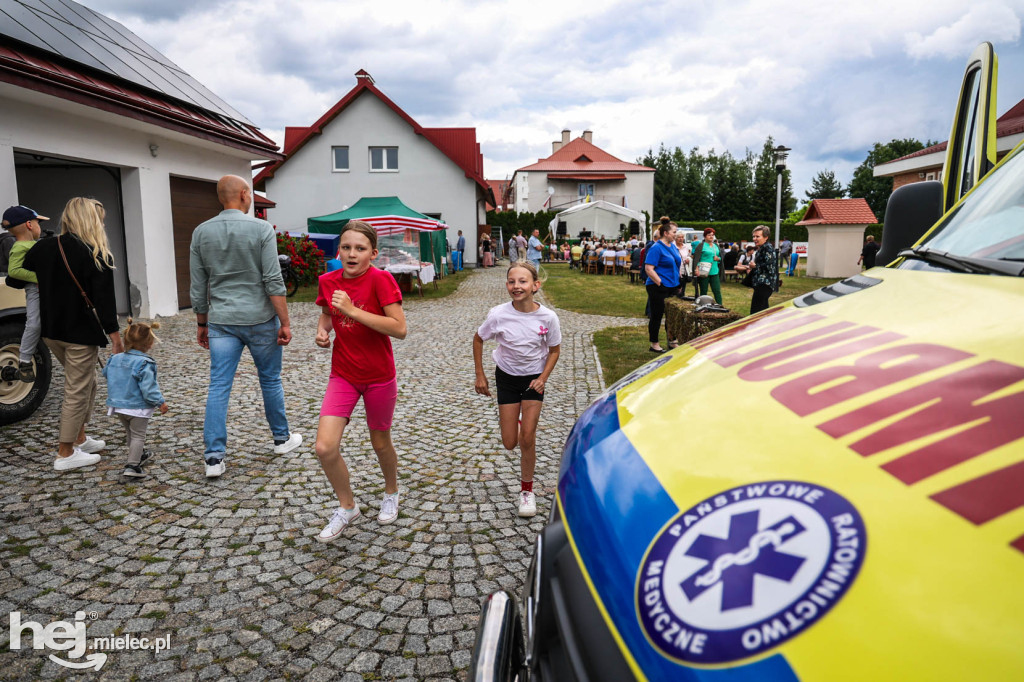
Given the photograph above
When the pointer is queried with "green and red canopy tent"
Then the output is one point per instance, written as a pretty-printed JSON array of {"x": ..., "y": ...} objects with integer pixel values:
[{"x": 389, "y": 216}]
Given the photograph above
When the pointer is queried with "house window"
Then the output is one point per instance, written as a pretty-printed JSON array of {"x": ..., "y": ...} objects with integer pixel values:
[
  {"x": 339, "y": 156},
  {"x": 586, "y": 189},
  {"x": 384, "y": 159},
  {"x": 930, "y": 176}
]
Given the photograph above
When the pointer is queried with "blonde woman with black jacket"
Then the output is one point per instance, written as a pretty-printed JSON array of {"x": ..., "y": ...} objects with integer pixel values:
[{"x": 73, "y": 332}]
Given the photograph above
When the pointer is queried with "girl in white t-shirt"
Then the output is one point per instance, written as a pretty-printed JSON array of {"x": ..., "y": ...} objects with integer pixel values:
[{"x": 529, "y": 338}]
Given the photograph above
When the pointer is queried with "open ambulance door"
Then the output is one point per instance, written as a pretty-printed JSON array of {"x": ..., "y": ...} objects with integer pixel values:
[{"x": 971, "y": 151}]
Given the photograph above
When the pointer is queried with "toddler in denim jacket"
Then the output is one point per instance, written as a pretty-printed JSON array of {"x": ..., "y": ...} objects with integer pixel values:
[{"x": 132, "y": 391}]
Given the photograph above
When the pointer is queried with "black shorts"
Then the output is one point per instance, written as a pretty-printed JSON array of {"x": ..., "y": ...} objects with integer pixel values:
[{"x": 515, "y": 389}]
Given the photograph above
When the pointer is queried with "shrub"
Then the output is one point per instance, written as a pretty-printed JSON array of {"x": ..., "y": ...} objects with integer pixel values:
[{"x": 307, "y": 258}]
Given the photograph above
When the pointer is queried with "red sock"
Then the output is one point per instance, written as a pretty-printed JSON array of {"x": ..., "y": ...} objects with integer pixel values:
[{"x": 527, "y": 486}]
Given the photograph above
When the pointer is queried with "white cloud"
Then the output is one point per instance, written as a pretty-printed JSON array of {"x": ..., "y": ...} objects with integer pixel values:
[
  {"x": 825, "y": 77},
  {"x": 991, "y": 21}
]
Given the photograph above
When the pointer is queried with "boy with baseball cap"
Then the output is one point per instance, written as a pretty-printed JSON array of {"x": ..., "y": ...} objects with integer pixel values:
[{"x": 23, "y": 223}]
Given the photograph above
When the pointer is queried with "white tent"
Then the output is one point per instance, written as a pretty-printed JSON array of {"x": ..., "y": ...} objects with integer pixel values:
[{"x": 601, "y": 218}]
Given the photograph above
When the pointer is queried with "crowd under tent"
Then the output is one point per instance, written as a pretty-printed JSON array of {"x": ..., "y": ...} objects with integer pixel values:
[{"x": 600, "y": 219}]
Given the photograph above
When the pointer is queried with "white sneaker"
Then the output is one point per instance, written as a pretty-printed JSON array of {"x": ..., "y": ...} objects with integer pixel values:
[
  {"x": 388, "y": 508},
  {"x": 91, "y": 445},
  {"x": 527, "y": 504},
  {"x": 215, "y": 470},
  {"x": 294, "y": 441},
  {"x": 76, "y": 460},
  {"x": 340, "y": 520}
]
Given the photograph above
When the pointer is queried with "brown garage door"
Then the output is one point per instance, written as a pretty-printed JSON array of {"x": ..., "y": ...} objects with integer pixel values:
[{"x": 192, "y": 202}]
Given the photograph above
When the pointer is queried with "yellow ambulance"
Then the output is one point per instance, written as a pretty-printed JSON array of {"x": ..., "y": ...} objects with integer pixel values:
[{"x": 832, "y": 489}]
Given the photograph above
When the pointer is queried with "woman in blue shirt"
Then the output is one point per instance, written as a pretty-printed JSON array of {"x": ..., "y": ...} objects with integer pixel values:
[{"x": 661, "y": 262}]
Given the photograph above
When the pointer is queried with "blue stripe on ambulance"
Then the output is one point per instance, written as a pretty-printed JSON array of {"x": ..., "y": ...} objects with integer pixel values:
[{"x": 611, "y": 499}]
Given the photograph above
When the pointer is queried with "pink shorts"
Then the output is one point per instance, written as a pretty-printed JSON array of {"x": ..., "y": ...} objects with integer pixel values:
[{"x": 378, "y": 399}]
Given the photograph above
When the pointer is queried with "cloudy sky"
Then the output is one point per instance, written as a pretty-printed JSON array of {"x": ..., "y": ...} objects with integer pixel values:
[{"x": 826, "y": 78}]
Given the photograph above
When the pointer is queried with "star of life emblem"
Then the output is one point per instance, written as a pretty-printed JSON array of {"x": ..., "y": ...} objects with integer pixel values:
[{"x": 748, "y": 569}]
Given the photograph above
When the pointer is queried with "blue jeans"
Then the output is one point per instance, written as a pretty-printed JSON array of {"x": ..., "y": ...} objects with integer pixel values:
[{"x": 226, "y": 343}]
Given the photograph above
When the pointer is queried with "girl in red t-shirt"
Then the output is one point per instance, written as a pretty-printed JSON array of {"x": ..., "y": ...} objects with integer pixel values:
[{"x": 363, "y": 305}]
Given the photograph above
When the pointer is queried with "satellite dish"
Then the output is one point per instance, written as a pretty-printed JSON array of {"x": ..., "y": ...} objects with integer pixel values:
[{"x": 551, "y": 190}]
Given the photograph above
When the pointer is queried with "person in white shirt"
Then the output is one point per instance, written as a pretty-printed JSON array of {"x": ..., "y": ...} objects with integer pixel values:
[{"x": 529, "y": 341}]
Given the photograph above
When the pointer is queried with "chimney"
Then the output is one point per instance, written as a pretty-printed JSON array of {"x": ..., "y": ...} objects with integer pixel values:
[
  {"x": 588, "y": 136},
  {"x": 565, "y": 137},
  {"x": 555, "y": 146}
]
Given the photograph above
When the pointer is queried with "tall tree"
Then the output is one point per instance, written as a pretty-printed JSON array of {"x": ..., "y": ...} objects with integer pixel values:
[
  {"x": 666, "y": 180},
  {"x": 825, "y": 186},
  {"x": 765, "y": 186},
  {"x": 693, "y": 187},
  {"x": 765, "y": 178},
  {"x": 874, "y": 190},
  {"x": 728, "y": 187}
]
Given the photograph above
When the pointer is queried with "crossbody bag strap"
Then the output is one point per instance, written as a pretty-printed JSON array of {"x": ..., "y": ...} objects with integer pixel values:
[{"x": 74, "y": 279}]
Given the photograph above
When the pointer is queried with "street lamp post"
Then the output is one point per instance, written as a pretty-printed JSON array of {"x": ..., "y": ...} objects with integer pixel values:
[{"x": 781, "y": 153}]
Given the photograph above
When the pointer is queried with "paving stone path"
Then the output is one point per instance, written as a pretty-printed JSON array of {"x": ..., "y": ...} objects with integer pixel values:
[{"x": 229, "y": 567}]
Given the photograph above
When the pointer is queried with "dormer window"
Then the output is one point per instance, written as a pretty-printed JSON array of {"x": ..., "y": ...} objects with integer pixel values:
[{"x": 583, "y": 158}]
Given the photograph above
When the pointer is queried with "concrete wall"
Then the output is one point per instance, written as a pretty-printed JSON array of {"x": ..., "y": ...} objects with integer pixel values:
[
  {"x": 426, "y": 181},
  {"x": 52, "y": 127}
]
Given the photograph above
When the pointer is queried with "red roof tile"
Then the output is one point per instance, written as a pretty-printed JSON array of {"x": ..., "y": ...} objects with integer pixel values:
[
  {"x": 568, "y": 158},
  {"x": 458, "y": 144},
  {"x": 586, "y": 176},
  {"x": 1010, "y": 123},
  {"x": 839, "y": 212},
  {"x": 54, "y": 75}
]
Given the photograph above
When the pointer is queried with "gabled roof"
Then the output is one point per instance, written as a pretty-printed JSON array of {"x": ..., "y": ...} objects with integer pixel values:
[
  {"x": 499, "y": 188},
  {"x": 458, "y": 144},
  {"x": 839, "y": 212},
  {"x": 1010, "y": 123},
  {"x": 582, "y": 156},
  {"x": 69, "y": 51}
]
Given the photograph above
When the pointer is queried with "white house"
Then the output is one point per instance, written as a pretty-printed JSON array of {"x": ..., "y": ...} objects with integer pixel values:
[
  {"x": 577, "y": 169},
  {"x": 89, "y": 109},
  {"x": 367, "y": 146}
]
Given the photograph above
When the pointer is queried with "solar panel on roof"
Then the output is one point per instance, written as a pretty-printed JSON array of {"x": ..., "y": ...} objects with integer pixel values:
[{"x": 79, "y": 34}]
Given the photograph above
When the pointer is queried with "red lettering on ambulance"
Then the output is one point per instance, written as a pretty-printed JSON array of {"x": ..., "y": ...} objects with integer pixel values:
[
  {"x": 755, "y": 335},
  {"x": 736, "y": 357},
  {"x": 947, "y": 402},
  {"x": 865, "y": 374},
  {"x": 775, "y": 367},
  {"x": 986, "y": 497},
  {"x": 1018, "y": 544}
]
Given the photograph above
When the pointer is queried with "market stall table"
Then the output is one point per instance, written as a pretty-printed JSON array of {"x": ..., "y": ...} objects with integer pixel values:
[{"x": 424, "y": 273}]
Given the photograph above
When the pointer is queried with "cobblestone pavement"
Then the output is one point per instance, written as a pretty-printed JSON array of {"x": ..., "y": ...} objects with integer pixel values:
[{"x": 229, "y": 568}]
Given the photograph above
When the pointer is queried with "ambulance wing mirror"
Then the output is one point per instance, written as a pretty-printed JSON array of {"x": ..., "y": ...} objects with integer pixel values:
[{"x": 911, "y": 211}]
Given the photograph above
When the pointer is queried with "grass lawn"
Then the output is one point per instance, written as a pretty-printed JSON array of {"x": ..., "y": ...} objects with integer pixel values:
[
  {"x": 623, "y": 349},
  {"x": 445, "y": 286}
]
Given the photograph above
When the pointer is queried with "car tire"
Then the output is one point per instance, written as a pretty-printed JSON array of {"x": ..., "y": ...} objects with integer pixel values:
[{"x": 19, "y": 399}]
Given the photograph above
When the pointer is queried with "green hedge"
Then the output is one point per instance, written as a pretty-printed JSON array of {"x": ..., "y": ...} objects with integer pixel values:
[{"x": 740, "y": 231}]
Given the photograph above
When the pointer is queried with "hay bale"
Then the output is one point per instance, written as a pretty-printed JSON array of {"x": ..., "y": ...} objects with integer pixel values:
[{"x": 686, "y": 325}]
